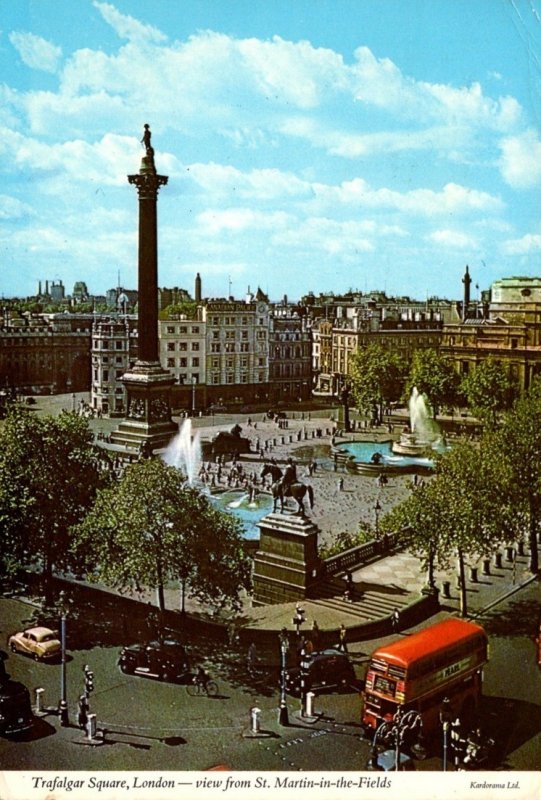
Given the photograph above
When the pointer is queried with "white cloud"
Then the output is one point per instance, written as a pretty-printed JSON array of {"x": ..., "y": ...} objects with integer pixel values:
[
  {"x": 127, "y": 27},
  {"x": 521, "y": 160},
  {"x": 262, "y": 184},
  {"x": 12, "y": 208},
  {"x": 453, "y": 239},
  {"x": 452, "y": 199},
  {"x": 36, "y": 52},
  {"x": 530, "y": 243},
  {"x": 237, "y": 220}
]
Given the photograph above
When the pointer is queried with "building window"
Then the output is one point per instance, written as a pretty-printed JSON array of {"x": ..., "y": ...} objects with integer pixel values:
[
  {"x": 170, "y": 362},
  {"x": 245, "y": 347},
  {"x": 170, "y": 347},
  {"x": 195, "y": 328},
  {"x": 244, "y": 334},
  {"x": 215, "y": 348},
  {"x": 183, "y": 329},
  {"x": 183, "y": 362},
  {"x": 195, "y": 345},
  {"x": 195, "y": 362},
  {"x": 118, "y": 345},
  {"x": 118, "y": 359},
  {"x": 105, "y": 374},
  {"x": 216, "y": 363},
  {"x": 216, "y": 379},
  {"x": 170, "y": 329}
]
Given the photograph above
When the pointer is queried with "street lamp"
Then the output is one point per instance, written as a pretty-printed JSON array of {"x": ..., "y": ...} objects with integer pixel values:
[
  {"x": 283, "y": 718},
  {"x": 63, "y": 704},
  {"x": 194, "y": 381},
  {"x": 377, "y": 509},
  {"x": 445, "y": 719}
]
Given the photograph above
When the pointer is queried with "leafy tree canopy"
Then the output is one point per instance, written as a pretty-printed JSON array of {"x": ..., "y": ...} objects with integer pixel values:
[
  {"x": 48, "y": 478},
  {"x": 188, "y": 309},
  {"x": 376, "y": 376},
  {"x": 488, "y": 390},
  {"x": 435, "y": 377},
  {"x": 151, "y": 527}
]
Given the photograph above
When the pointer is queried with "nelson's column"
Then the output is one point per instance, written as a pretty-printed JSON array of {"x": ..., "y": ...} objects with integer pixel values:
[{"x": 148, "y": 424}]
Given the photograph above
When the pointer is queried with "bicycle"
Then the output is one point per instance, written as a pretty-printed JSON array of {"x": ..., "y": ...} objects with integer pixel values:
[{"x": 199, "y": 687}]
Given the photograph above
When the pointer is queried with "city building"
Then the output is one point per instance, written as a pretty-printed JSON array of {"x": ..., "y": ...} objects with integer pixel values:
[
  {"x": 114, "y": 351},
  {"x": 290, "y": 354}
]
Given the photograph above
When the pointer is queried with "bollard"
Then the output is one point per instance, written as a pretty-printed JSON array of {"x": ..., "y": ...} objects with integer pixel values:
[
  {"x": 254, "y": 719},
  {"x": 447, "y": 589},
  {"x": 486, "y": 566},
  {"x": 473, "y": 574},
  {"x": 39, "y": 702},
  {"x": 520, "y": 548},
  {"x": 309, "y": 709},
  {"x": 63, "y": 713},
  {"x": 498, "y": 560},
  {"x": 509, "y": 553},
  {"x": 91, "y": 726}
]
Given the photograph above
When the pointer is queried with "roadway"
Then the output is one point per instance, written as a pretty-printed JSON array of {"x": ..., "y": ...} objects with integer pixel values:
[{"x": 155, "y": 726}]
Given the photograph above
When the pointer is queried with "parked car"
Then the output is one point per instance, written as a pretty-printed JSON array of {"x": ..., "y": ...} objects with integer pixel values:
[
  {"x": 15, "y": 708},
  {"x": 166, "y": 660},
  {"x": 326, "y": 670},
  {"x": 39, "y": 642}
]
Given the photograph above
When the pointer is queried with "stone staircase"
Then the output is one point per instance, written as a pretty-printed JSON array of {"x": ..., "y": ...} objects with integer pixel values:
[{"x": 368, "y": 606}]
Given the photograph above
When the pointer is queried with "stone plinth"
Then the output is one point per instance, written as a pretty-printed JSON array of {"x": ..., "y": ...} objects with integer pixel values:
[
  {"x": 286, "y": 563},
  {"x": 148, "y": 421}
]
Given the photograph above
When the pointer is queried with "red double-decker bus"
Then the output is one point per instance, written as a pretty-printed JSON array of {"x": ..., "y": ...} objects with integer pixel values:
[{"x": 417, "y": 672}]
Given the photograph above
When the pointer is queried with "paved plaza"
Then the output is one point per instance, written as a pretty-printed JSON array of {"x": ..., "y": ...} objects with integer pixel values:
[{"x": 379, "y": 587}]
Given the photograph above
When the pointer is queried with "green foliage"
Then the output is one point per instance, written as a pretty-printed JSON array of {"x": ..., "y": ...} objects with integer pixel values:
[
  {"x": 515, "y": 450},
  {"x": 488, "y": 390},
  {"x": 48, "y": 479},
  {"x": 435, "y": 377},
  {"x": 376, "y": 376},
  {"x": 345, "y": 541},
  {"x": 454, "y": 514},
  {"x": 188, "y": 309},
  {"x": 151, "y": 528}
]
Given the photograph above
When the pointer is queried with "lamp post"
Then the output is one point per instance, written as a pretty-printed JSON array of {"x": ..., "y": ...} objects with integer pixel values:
[
  {"x": 63, "y": 704},
  {"x": 377, "y": 509},
  {"x": 194, "y": 381},
  {"x": 283, "y": 718},
  {"x": 445, "y": 719}
]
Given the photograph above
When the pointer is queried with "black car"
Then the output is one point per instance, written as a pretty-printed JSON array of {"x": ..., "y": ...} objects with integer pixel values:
[
  {"x": 166, "y": 660},
  {"x": 325, "y": 670},
  {"x": 16, "y": 715}
]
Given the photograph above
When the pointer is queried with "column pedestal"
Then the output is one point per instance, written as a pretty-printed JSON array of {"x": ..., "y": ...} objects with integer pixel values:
[{"x": 286, "y": 564}]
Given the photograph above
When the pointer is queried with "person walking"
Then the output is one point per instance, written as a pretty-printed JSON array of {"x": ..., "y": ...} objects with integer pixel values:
[
  {"x": 342, "y": 635},
  {"x": 395, "y": 620},
  {"x": 251, "y": 659},
  {"x": 316, "y": 637}
]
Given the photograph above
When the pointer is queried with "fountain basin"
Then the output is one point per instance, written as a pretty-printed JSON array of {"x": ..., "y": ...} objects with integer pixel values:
[
  {"x": 238, "y": 503},
  {"x": 376, "y": 458},
  {"x": 412, "y": 445}
]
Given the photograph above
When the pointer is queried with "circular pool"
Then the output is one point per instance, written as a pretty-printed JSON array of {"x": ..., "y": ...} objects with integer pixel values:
[
  {"x": 378, "y": 457},
  {"x": 238, "y": 503}
]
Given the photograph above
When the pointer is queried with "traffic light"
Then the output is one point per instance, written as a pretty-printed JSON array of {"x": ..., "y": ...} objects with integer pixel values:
[{"x": 89, "y": 680}]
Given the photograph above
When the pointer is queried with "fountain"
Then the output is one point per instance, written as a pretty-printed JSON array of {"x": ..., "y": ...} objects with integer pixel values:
[
  {"x": 247, "y": 507},
  {"x": 184, "y": 451},
  {"x": 423, "y": 435}
]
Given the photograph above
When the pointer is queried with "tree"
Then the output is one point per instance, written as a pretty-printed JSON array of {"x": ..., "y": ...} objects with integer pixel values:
[
  {"x": 376, "y": 376},
  {"x": 151, "y": 527},
  {"x": 434, "y": 377},
  {"x": 453, "y": 515},
  {"x": 488, "y": 390},
  {"x": 516, "y": 448},
  {"x": 48, "y": 478}
]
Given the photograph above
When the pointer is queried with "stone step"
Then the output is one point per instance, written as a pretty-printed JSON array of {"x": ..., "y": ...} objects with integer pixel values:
[{"x": 364, "y": 607}]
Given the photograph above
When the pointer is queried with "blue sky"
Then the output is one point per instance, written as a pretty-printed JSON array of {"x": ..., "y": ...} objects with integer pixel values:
[{"x": 321, "y": 145}]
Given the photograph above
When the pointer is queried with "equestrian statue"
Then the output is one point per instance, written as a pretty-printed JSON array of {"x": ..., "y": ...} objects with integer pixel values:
[{"x": 286, "y": 485}]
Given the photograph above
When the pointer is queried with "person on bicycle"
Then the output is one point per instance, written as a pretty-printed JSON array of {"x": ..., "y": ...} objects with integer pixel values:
[{"x": 202, "y": 678}]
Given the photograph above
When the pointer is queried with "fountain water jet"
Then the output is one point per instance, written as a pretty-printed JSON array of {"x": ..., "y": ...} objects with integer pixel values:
[
  {"x": 184, "y": 451},
  {"x": 423, "y": 434}
]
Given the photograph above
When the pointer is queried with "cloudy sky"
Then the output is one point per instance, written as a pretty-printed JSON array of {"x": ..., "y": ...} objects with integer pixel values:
[{"x": 310, "y": 144}]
